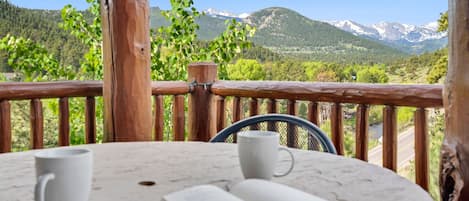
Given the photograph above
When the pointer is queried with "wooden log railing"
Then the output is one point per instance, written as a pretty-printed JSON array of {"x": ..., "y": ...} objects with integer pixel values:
[
  {"x": 364, "y": 95},
  {"x": 62, "y": 91}
]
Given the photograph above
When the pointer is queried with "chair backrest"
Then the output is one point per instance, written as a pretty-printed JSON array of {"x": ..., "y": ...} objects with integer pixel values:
[{"x": 294, "y": 132}]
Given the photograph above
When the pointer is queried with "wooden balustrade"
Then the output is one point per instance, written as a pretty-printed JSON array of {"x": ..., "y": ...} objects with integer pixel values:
[
  {"x": 373, "y": 94},
  {"x": 63, "y": 91},
  {"x": 420, "y": 96},
  {"x": 364, "y": 95}
]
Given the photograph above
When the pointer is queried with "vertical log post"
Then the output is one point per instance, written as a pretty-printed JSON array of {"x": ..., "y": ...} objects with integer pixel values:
[
  {"x": 178, "y": 118},
  {"x": 313, "y": 117},
  {"x": 421, "y": 148},
  {"x": 220, "y": 113},
  {"x": 236, "y": 113},
  {"x": 361, "y": 128},
  {"x": 90, "y": 120},
  {"x": 202, "y": 122},
  {"x": 64, "y": 124},
  {"x": 454, "y": 170},
  {"x": 272, "y": 108},
  {"x": 313, "y": 113},
  {"x": 5, "y": 126},
  {"x": 292, "y": 131},
  {"x": 253, "y": 111},
  {"x": 337, "y": 128},
  {"x": 159, "y": 118},
  {"x": 127, "y": 89},
  {"x": 37, "y": 124},
  {"x": 390, "y": 138}
]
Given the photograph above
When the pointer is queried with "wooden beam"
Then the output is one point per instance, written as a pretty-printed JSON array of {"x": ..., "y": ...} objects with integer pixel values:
[
  {"x": 127, "y": 84},
  {"x": 454, "y": 175},
  {"x": 373, "y": 94},
  {"x": 202, "y": 122}
]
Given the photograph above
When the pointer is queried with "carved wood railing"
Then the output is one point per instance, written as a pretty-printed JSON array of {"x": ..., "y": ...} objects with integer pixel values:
[
  {"x": 364, "y": 95},
  {"x": 62, "y": 91}
]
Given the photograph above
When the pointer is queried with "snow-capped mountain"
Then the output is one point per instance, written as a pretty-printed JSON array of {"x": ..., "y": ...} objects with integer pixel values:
[
  {"x": 355, "y": 28},
  {"x": 225, "y": 14},
  {"x": 391, "y": 31},
  {"x": 409, "y": 38}
]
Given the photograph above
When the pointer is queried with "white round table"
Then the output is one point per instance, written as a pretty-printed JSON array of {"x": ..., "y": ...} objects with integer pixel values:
[{"x": 119, "y": 167}]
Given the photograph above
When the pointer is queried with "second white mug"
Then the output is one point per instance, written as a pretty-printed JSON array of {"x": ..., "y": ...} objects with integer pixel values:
[
  {"x": 258, "y": 154},
  {"x": 63, "y": 174}
]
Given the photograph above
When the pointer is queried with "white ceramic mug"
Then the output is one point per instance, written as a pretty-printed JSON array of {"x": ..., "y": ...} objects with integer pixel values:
[
  {"x": 63, "y": 174},
  {"x": 258, "y": 154}
]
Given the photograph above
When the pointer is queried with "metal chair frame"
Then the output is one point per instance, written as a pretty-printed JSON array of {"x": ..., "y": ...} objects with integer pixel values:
[{"x": 313, "y": 129}]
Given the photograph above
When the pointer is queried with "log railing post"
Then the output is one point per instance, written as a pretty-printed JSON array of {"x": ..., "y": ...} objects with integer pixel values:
[
  {"x": 90, "y": 120},
  {"x": 236, "y": 113},
  {"x": 292, "y": 130},
  {"x": 454, "y": 165},
  {"x": 313, "y": 113},
  {"x": 159, "y": 118},
  {"x": 421, "y": 148},
  {"x": 313, "y": 117},
  {"x": 178, "y": 118},
  {"x": 221, "y": 119},
  {"x": 201, "y": 114},
  {"x": 272, "y": 108},
  {"x": 37, "y": 124},
  {"x": 390, "y": 137},
  {"x": 253, "y": 111},
  {"x": 361, "y": 128},
  {"x": 64, "y": 122},
  {"x": 5, "y": 126},
  {"x": 337, "y": 128},
  {"x": 127, "y": 83}
]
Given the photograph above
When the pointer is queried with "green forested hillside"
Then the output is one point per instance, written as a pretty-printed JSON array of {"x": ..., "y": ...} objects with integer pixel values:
[
  {"x": 288, "y": 32},
  {"x": 280, "y": 33},
  {"x": 40, "y": 26}
]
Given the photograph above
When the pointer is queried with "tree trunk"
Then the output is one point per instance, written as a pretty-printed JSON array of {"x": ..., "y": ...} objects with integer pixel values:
[{"x": 454, "y": 165}]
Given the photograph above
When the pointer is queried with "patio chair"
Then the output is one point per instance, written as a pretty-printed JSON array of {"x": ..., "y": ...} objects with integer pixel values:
[{"x": 294, "y": 132}]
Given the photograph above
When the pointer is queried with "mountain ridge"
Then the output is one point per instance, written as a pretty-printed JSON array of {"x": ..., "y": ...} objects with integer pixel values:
[{"x": 409, "y": 38}]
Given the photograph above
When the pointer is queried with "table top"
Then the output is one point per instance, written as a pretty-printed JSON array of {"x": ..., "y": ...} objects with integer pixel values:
[{"x": 119, "y": 167}]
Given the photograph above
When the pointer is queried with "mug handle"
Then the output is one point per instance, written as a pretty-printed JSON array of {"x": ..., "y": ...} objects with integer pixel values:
[
  {"x": 291, "y": 166},
  {"x": 40, "y": 187}
]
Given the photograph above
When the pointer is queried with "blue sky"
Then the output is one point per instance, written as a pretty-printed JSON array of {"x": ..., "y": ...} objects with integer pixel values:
[{"x": 363, "y": 11}]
